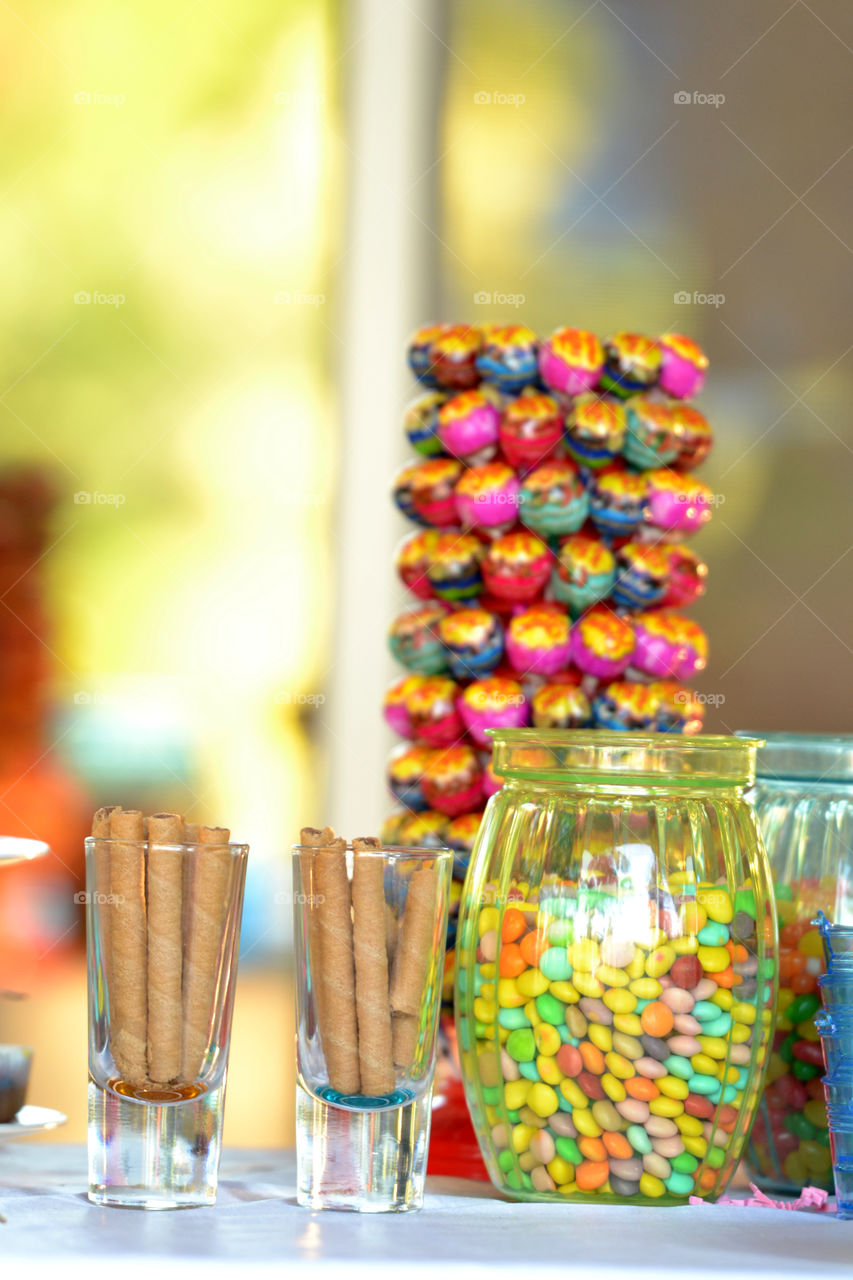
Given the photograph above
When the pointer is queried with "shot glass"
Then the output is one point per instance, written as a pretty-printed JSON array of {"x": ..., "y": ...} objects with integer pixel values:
[
  {"x": 163, "y": 931},
  {"x": 369, "y": 928}
]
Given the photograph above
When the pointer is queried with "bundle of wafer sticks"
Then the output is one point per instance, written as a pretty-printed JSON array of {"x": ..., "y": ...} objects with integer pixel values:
[
  {"x": 160, "y": 939},
  {"x": 368, "y": 975}
]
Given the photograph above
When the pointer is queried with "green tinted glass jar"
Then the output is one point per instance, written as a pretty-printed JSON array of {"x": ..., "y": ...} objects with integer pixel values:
[
  {"x": 615, "y": 966},
  {"x": 803, "y": 799}
]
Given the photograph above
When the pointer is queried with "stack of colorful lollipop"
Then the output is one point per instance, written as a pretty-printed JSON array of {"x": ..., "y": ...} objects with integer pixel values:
[{"x": 552, "y": 491}]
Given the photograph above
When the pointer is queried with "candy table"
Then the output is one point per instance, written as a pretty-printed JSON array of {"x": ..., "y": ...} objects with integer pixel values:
[{"x": 465, "y": 1229}]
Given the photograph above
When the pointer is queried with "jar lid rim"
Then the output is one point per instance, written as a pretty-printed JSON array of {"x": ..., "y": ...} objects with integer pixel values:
[{"x": 806, "y": 757}]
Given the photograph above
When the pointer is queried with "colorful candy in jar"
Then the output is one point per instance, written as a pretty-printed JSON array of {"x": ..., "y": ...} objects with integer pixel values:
[
  {"x": 432, "y": 486},
  {"x": 406, "y": 767},
  {"x": 686, "y": 580},
  {"x": 617, "y": 501},
  {"x": 677, "y": 503},
  {"x": 695, "y": 437},
  {"x": 642, "y": 573},
  {"x": 595, "y": 430},
  {"x": 493, "y": 703},
  {"x": 395, "y": 706},
  {"x": 668, "y": 645},
  {"x": 453, "y": 780},
  {"x": 530, "y": 429},
  {"x": 433, "y": 716},
  {"x": 424, "y": 830},
  {"x": 683, "y": 366},
  {"x": 538, "y": 640},
  {"x": 677, "y": 708},
  {"x": 468, "y": 426},
  {"x": 553, "y": 500},
  {"x": 559, "y": 704},
  {"x": 420, "y": 423},
  {"x": 584, "y": 572},
  {"x": 473, "y": 641},
  {"x": 453, "y": 571},
  {"x": 487, "y": 496},
  {"x": 651, "y": 439},
  {"x": 625, "y": 705},
  {"x": 414, "y": 639},
  {"x": 571, "y": 361},
  {"x": 507, "y": 357},
  {"x": 412, "y": 562},
  {"x": 516, "y": 566},
  {"x": 632, "y": 363},
  {"x": 602, "y": 643},
  {"x": 401, "y": 491},
  {"x": 625, "y": 1049},
  {"x": 453, "y": 356},
  {"x": 420, "y": 344}
]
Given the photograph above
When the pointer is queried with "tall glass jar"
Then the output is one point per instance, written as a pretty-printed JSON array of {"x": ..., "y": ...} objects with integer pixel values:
[
  {"x": 615, "y": 966},
  {"x": 803, "y": 799}
]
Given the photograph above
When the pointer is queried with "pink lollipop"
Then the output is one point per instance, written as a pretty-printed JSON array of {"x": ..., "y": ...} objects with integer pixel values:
[
  {"x": 493, "y": 703},
  {"x": 669, "y": 646},
  {"x": 487, "y": 496},
  {"x": 677, "y": 503},
  {"x": 538, "y": 640},
  {"x": 602, "y": 643},
  {"x": 468, "y": 426}
]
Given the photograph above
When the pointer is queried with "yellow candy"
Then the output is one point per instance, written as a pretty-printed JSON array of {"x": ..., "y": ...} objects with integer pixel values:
[
  {"x": 713, "y": 959},
  {"x": 618, "y": 1000},
  {"x": 547, "y": 1039},
  {"x": 808, "y": 1031},
  {"x": 532, "y": 983},
  {"x": 488, "y": 971},
  {"x": 564, "y": 991},
  {"x": 549, "y": 1071},
  {"x": 776, "y": 1068},
  {"x": 743, "y": 1012},
  {"x": 587, "y": 985},
  {"x": 532, "y": 1013},
  {"x": 723, "y": 998},
  {"x": 490, "y": 918},
  {"x": 612, "y": 977},
  {"x": 601, "y": 1037},
  {"x": 637, "y": 967},
  {"x": 786, "y": 997},
  {"x": 620, "y": 1066},
  {"x": 727, "y": 1075},
  {"x": 795, "y": 1168},
  {"x": 697, "y": 1146},
  {"x": 567, "y": 1188},
  {"x": 614, "y": 1088},
  {"x": 485, "y": 1010},
  {"x": 693, "y": 917},
  {"x": 673, "y": 1087},
  {"x": 487, "y": 991},
  {"x": 646, "y": 988},
  {"x": 669, "y": 1107},
  {"x": 585, "y": 954},
  {"x": 687, "y": 946},
  {"x": 515, "y": 1094},
  {"x": 815, "y": 1113},
  {"x": 503, "y": 1034},
  {"x": 786, "y": 911},
  {"x": 629, "y": 1046},
  {"x": 527, "y": 1161},
  {"x": 486, "y": 1032},
  {"x": 628, "y": 1023},
  {"x": 651, "y": 1186},
  {"x": 508, "y": 996},
  {"x": 574, "y": 1095},
  {"x": 810, "y": 944},
  {"x": 704, "y": 1065},
  {"x": 740, "y": 1033},
  {"x": 561, "y": 1171},
  {"x": 586, "y": 1124},
  {"x": 542, "y": 1100},
  {"x": 489, "y": 1069},
  {"x": 689, "y": 1126},
  {"x": 492, "y": 1115},
  {"x": 521, "y": 1135},
  {"x": 716, "y": 901},
  {"x": 661, "y": 960},
  {"x": 714, "y": 1046}
]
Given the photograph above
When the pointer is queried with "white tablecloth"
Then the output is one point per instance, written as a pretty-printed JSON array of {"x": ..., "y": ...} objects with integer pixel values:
[{"x": 464, "y": 1229}]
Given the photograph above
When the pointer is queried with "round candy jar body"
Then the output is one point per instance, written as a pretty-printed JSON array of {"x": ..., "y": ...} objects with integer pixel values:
[
  {"x": 803, "y": 800},
  {"x": 607, "y": 1052}
]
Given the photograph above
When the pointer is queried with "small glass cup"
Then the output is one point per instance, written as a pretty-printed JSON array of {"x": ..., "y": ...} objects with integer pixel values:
[
  {"x": 163, "y": 931},
  {"x": 369, "y": 928}
]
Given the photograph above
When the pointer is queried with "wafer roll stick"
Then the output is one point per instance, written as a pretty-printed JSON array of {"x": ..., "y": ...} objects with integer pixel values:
[
  {"x": 311, "y": 838},
  {"x": 412, "y": 962},
  {"x": 191, "y": 830},
  {"x": 101, "y": 858},
  {"x": 338, "y": 1026},
  {"x": 165, "y": 946},
  {"x": 128, "y": 947},
  {"x": 207, "y": 887},
  {"x": 375, "y": 1059}
]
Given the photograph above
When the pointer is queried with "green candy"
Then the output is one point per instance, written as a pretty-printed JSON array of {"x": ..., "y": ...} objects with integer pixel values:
[
  {"x": 555, "y": 964},
  {"x": 684, "y": 1163},
  {"x": 521, "y": 1045},
  {"x": 679, "y": 1184},
  {"x": 561, "y": 933},
  {"x": 463, "y": 980},
  {"x": 513, "y": 1180},
  {"x": 718, "y": 1026},
  {"x": 569, "y": 1150},
  {"x": 797, "y": 1124},
  {"x": 464, "y": 1032},
  {"x": 766, "y": 968},
  {"x": 512, "y": 1019},
  {"x": 715, "y": 1157},
  {"x": 703, "y": 1084},
  {"x": 513, "y": 1116},
  {"x": 784, "y": 892},
  {"x": 677, "y": 1066},
  {"x": 505, "y": 1160},
  {"x": 803, "y": 1008},
  {"x": 563, "y": 908},
  {"x": 529, "y": 1070},
  {"x": 804, "y": 1070},
  {"x": 550, "y": 1009},
  {"x": 492, "y": 1096},
  {"x": 639, "y": 1139},
  {"x": 713, "y": 935},
  {"x": 527, "y": 1181},
  {"x": 745, "y": 901},
  {"x": 566, "y": 1035},
  {"x": 786, "y": 1049}
]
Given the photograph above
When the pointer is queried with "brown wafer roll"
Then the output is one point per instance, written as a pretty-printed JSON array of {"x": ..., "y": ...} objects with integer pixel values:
[
  {"x": 128, "y": 948},
  {"x": 101, "y": 858},
  {"x": 411, "y": 963},
  {"x": 206, "y": 884},
  {"x": 337, "y": 1010},
  {"x": 375, "y": 1058},
  {"x": 405, "y": 1030},
  {"x": 191, "y": 830},
  {"x": 312, "y": 838},
  {"x": 165, "y": 946}
]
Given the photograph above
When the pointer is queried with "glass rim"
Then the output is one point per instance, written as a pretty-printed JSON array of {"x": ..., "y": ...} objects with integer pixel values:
[
  {"x": 421, "y": 852},
  {"x": 804, "y": 757},
  {"x": 102, "y": 841}
]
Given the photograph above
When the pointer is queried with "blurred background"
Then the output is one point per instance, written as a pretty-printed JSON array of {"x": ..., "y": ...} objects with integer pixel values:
[{"x": 219, "y": 224}]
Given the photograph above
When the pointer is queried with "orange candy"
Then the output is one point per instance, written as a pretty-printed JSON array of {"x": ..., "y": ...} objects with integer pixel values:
[
  {"x": 593, "y": 1058},
  {"x": 803, "y": 983},
  {"x": 706, "y": 1179},
  {"x": 727, "y": 1118},
  {"x": 593, "y": 1149},
  {"x": 532, "y": 946},
  {"x": 657, "y": 1019},
  {"x": 592, "y": 1174},
  {"x": 510, "y": 961},
  {"x": 514, "y": 924},
  {"x": 617, "y": 1146},
  {"x": 790, "y": 963},
  {"x": 642, "y": 1088},
  {"x": 727, "y": 978}
]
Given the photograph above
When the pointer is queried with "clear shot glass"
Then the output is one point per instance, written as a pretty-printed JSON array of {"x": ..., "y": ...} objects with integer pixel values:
[
  {"x": 163, "y": 931},
  {"x": 369, "y": 926}
]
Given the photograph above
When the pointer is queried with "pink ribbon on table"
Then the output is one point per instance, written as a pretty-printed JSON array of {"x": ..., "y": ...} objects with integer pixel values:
[{"x": 809, "y": 1198}]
